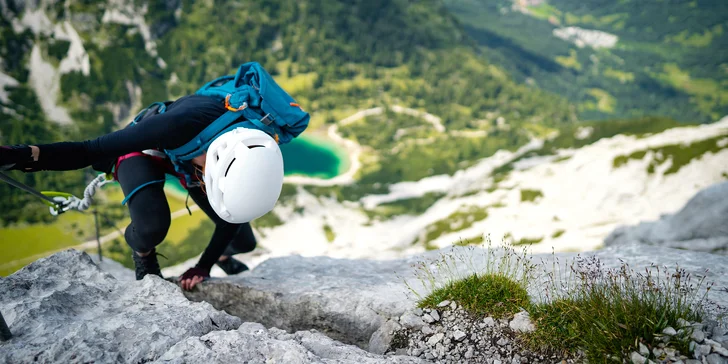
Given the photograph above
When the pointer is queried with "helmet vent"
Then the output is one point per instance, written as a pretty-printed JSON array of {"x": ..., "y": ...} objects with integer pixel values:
[
  {"x": 229, "y": 165},
  {"x": 255, "y": 146}
]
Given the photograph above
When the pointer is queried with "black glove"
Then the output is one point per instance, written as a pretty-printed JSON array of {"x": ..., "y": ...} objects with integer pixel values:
[{"x": 17, "y": 157}]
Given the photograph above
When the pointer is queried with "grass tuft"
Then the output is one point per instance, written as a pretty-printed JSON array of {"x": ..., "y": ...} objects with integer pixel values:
[
  {"x": 607, "y": 312},
  {"x": 490, "y": 294},
  {"x": 590, "y": 309}
]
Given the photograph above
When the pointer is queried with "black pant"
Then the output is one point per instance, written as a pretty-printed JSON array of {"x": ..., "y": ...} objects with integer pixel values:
[{"x": 149, "y": 210}]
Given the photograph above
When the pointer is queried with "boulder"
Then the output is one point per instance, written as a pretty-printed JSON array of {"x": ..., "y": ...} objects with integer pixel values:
[
  {"x": 701, "y": 225},
  {"x": 63, "y": 308},
  {"x": 253, "y": 343}
]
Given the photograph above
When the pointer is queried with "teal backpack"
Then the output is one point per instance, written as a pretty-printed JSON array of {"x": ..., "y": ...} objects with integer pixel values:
[{"x": 253, "y": 100}]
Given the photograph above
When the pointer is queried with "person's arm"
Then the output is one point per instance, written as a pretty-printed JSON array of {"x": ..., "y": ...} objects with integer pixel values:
[
  {"x": 221, "y": 237},
  {"x": 183, "y": 120},
  {"x": 166, "y": 130}
]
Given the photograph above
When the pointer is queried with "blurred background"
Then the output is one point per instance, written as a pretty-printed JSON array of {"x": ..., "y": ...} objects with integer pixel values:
[{"x": 541, "y": 123}]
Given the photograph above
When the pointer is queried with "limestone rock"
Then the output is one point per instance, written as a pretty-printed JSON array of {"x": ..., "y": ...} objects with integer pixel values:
[
  {"x": 699, "y": 225},
  {"x": 348, "y": 299},
  {"x": 65, "y": 309},
  {"x": 382, "y": 338},
  {"x": 522, "y": 322},
  {"x": 253, "y": 343}
]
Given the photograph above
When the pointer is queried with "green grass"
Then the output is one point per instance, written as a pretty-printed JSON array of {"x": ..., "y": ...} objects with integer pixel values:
[
  {"x": 330, "y": 235},
  {"x": 605, "y": 101},
  {"x": 472, "y": 241},
  {"x": 608, "y": 314},
  {"x": 544, "y": 11},
  {"x": 623, "y": 77},
  {"x": 268, "y": 220},
  {"x": 679, "y": 155},
  {"x": 557, "y": 234},
  {"x": 527, "y": 241},
  {"x": 572, "y": 61},
  {"x": 458, "y": 220},
  {"x": 407, "y": 206},
  {"x": 598, "y": 311},
  {"x": 530, "y": 195},
  {"x": 483, "y": 295},
  {"x": 187, "y": 237}
]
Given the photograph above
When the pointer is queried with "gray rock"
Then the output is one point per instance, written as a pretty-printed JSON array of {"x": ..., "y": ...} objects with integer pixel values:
[
  {"x": 348, "y": 299},
  {"x": 721, "y": 350},
  {"x": 411, "y": 321},
  {"x": 644, "y": 350},
  {"x": 252, "y": 343},
  {"x": 382, "y": 338},
  {"x": 704, "y": 349},
  {"x": 427, "y": 330},
  {"x": 428, "y": 318},
  {"x": 435, "y": 315},
  {"x": 434, "y": 339},
  {"x": 681, "y": 323},
  {"x": 522, "y": 323},
  {"x": 699, "y": 225},
  {"x": 693, "y": 361},
  {"x": 669, "y": 331},
  {"x": 489, "y": 322},
  {"x": 716, "y": 359},
  {"x": 698, "y": 336},
  {"x": 637, "y": 358},
  {"x": 63, "y": 308},
  {"x": 459, "y": 335},
  {"x": 502, "y": 342},
  {"x": 443, "y": 303}
]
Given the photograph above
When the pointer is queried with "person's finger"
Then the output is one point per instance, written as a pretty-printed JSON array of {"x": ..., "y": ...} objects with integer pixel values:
[{"x": 185, "y": 284}]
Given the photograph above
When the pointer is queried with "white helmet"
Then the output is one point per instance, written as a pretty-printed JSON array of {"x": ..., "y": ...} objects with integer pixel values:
[{"x": 243, "y": 174}]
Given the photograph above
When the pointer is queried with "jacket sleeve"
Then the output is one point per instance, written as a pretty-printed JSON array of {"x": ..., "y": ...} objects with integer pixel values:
[{"x": 169, "y": 130}]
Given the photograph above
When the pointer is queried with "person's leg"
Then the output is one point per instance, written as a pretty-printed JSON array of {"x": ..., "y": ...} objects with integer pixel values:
[{"x": 141, "y": 180}]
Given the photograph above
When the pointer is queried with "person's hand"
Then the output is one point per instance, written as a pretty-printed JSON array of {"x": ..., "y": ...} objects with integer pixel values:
[
  {"x": 192, "y": 277},
  {"x": 16, "y": 156}
]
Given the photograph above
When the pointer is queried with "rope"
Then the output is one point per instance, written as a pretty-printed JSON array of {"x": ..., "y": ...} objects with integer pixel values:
[{"x": 65, "y": 203}]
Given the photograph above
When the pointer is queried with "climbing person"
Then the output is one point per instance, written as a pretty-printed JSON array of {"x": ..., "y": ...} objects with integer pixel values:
[{"x": 222, "y": 142}]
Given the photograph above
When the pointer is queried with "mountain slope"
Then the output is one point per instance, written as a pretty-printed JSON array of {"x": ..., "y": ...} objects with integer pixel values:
[
  {"x": 91, "y": 65},
  {"x": 615, "y": 59},
  {"x": 566, "y": 193}
]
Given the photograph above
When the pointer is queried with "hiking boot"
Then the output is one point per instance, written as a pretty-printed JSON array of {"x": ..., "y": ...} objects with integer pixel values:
[
  {"x": 146, "y": 265},
  {"x": 232, "y": 266}
]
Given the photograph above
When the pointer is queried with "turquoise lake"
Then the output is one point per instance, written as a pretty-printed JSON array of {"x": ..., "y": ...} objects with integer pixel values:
[
  {"x": 314, "y": 157},
  {"x": 309, "y": 156}
]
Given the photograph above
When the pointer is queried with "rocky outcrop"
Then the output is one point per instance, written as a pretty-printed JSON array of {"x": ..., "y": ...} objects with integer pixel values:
[
  {"x": 348, "y": 299},
  {"x": 253, "y": 343},
  {"x": 701, "y": 225},
  {"x": 65, "y": 309},
  {"x": 362, "y": 301}
]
